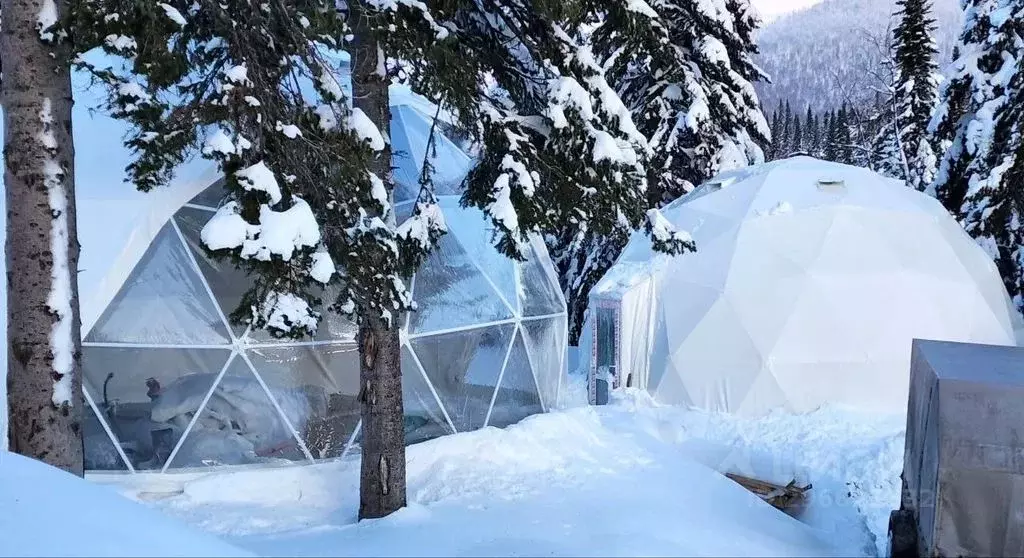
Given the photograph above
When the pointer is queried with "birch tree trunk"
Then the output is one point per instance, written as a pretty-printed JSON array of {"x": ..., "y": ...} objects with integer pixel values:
[
  {"x": 382, "y": 475},
  {"x": 43, "y": 330}
]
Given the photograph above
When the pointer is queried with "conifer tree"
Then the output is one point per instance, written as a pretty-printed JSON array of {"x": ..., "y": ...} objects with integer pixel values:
[
  {"x": 685, "y": 73},
  {"x": 44, "y": 398},
  {"x": 916, "y": 88},
  {"x": 811, "y": 140},
  {"x": 981, "y": 118},
  {"x": 829, "y": 137},
  {"x": 797, "y": 143},
  {"x": 843, "y": 140},
  {"x": 787, "y": 131}
]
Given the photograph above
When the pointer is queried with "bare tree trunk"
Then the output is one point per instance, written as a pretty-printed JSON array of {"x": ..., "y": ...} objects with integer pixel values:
[
  {"x": 43, "y": 330},
  {"x": 382, "y": 476}
]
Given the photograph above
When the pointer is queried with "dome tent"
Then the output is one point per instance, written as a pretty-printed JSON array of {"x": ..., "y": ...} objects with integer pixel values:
[
  {"x": 170, "y": 383},
  {"x": 809, "y": 282}
]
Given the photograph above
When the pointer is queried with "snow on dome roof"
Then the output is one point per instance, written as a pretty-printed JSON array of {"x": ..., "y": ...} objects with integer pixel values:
[{"x": 800, "y": 295}]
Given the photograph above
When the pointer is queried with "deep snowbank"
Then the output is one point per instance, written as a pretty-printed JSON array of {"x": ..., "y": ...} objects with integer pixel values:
[
  {"x": 632, "y": 478},
  {"x": 47, "y": 512}
]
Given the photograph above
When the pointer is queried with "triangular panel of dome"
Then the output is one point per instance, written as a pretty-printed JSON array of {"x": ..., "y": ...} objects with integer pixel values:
[
  {"x": 476, "y": 234},
  {"x": 424, "y": 419},
  {"x": 538, "y": 289},
  {"x": 451, "y": 292},
  {"x": 517, "y": 396},
  {"x": 239, "y": 425},
  {"x": 100, "y": 452},
  {"x": 463, "y": 368},
  {"x": 410, "y": 138},
  {"x": 229, "y": 284},
  {"x": 545, "y": 341},
  {"x": 163, "y": 301},
  {"x": 317, "y": 386},
  {"x": 148, "y": 395},
  {"x": 212, "y": 196}
]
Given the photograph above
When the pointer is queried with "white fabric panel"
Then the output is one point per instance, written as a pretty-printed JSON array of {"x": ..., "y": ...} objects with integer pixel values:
[
  {"x": 803, "y": 293},
  {"x": 635, "y": 334}
]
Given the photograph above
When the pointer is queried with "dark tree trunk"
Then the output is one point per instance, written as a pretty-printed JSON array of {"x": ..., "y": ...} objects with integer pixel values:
[
  {"x": 382, "y": 477},
  {"x": 44, "y": 424}
]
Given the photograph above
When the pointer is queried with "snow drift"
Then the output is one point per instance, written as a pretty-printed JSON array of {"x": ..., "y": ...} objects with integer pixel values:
[{"x": 47, "y": 512}]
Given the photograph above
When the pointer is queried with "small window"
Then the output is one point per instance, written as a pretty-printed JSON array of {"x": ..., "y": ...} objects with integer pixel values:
[{"x": 831, "y": 185}]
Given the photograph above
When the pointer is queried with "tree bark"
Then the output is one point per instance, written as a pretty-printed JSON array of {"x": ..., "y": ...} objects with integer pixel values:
[
  {"x": 43, "y": 347},
  {"x": 382, "y": 476}
]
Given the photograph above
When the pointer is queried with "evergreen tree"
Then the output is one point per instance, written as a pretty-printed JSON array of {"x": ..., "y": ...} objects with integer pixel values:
[
  {"x": 843, "y": 139},
  {"x": 44, "y": 383},
  {"x": 776, "y": 129},
  {"x": 916, "y": 88},
  {"x": 798, "y": 136},
  {"x": 828, "y": 137},
  {"x": 811, "y": 141},
  {"x": 686, "y": 75},
  {"x": 886, "y": 155},
  {"x": 786, "y": 142},
  {"x": 981, "y": 116}
]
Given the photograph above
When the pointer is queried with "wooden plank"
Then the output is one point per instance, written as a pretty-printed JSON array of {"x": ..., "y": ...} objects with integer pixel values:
[{"x": 781, "y": 497}]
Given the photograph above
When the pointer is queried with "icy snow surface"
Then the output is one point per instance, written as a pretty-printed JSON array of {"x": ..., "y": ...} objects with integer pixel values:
[
  {"x": 632, "y": 478},
  {"x": 47, "y": 512}
]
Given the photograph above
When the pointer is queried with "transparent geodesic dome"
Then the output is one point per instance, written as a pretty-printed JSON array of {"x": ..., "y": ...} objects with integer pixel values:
[{"x": 171, "y": 384}]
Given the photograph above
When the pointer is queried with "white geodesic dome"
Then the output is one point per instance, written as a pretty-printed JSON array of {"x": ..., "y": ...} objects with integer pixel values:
[
  {"x": 809, "y": 282},
  {"x": 171, "y": 383}
]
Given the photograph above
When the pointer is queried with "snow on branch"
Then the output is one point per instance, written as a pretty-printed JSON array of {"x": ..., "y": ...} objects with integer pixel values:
[
  {"x": 364, "y": 128},
  {"x": 664, "y": 237},
  {"x": 277, "y": 233}
]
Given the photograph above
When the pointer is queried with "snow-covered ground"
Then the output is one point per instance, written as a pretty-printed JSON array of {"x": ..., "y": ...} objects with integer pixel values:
[
  {"x": 47, "y": 512},
  {"x": 631, "y": 478}
]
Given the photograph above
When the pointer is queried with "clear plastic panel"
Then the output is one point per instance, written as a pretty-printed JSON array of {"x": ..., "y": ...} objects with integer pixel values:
[
  {"x": 163, "y": 301},
  {"x": 410, "y": 138},
  {"x": 149, "y": 395},
  {"x": 318, "y": 388},
  {"x": 212, "y": 196},
  {"x": 538, "y": 294},
  {"x": 476, "y": 234},
  {"x": 239, "y": 424},
  {"x": 229, "y": 284},
  {"x": 545, "y": 340},
  {"x": 451, "y": 292},
  {"x": 100, "y": 452},
  {"x": 424, "y": 419},
  {"x": 463, "y": 367},
  {"x": 517, "y": 395}
]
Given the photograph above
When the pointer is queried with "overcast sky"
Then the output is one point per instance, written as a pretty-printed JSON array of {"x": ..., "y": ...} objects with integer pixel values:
[{"x": 773, "y": 8}]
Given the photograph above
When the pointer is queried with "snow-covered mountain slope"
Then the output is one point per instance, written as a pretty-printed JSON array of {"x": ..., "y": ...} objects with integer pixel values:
[
  {"x": 824, "y": 55},
  {"x": 773, "y": 9}
]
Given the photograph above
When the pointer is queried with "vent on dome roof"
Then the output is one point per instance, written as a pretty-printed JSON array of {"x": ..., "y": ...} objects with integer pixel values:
[{"x": 834, "y": 185}]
